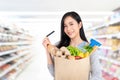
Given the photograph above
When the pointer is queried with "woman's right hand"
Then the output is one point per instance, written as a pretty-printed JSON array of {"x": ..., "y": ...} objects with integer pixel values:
[{"x": 46, "y": 42}]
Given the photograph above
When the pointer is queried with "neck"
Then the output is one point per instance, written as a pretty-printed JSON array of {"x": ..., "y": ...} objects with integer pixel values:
[{"x": 75, "y": 42}]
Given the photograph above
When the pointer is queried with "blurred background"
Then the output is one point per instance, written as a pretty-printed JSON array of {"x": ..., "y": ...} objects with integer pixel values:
[{"x": 24, "y": 24}]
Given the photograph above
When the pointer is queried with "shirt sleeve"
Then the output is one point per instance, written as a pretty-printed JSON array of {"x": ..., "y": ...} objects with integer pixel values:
[
  {"x": 96, "y": 73},
  {"x": 51, "y": 69}
]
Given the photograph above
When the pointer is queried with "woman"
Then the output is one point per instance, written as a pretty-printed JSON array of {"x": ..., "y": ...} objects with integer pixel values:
[{"x": 72, "y": 33}]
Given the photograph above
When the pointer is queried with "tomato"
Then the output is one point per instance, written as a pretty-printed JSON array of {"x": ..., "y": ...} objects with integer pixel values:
[{"x": 78, "y": 57}]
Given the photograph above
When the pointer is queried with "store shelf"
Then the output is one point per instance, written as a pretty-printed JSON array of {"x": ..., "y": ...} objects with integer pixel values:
[
  {"x": 115, "y": 22},
  {"x": 116, "y": 35},
  {"x": 21, "y": 61},
  {"x": 20, "y": 70},
  {"x": 17, "y": 37},
  {"x": 110, "y": 60},
  {"x": 14, "y": 43},
  {"x": 13, "y": 58},
  {"x": 111, "y": 73},
  {"x": 15, "y": 50},
  {"x": 105, "y": 47},
  {"x": 9, "y": 69},
  {"x": 108, "y": 34}
]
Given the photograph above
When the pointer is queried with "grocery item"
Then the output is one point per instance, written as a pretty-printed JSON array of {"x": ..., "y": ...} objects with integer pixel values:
[
  {"x": 85, "y": 51},
  {"x": 74, "y": 53},
  {"x": 62, "y": 52}
]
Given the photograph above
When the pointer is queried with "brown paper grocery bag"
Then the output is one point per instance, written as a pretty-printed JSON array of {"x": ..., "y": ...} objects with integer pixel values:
[{"x": 66, "y": 69}]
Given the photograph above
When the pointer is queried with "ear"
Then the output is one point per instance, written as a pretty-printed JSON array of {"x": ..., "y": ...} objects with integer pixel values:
[{"x": 80, "y": 24}]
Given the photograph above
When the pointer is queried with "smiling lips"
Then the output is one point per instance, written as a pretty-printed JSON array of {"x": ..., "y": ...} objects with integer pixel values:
[{"x": 70, "y": 33}]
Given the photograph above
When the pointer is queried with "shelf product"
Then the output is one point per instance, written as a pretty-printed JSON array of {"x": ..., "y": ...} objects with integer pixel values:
[
  {"x": 15, "y": 52},
  {"x": 109, "y": 35}
]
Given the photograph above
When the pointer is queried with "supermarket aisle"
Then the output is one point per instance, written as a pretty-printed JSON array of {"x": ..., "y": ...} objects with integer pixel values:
[{"x": 37, "y": 70}]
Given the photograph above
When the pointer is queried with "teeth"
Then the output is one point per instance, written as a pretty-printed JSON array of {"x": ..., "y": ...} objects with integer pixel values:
[{"x": 69, "y": 33}]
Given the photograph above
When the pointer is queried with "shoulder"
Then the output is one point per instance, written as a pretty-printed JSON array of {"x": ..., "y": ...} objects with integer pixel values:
[{"x": 95, "y": 55}]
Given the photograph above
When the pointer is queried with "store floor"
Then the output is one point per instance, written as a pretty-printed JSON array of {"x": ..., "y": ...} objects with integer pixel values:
[{"x": 37, "y": 69}]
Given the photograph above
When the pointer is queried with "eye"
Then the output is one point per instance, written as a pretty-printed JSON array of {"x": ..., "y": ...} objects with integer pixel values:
[
  {"x": 71, "y": 24},
  {"x": 65, "y": 26}
]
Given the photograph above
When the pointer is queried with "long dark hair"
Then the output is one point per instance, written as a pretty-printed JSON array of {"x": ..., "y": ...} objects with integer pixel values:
[{"x": 64, "y": 39}]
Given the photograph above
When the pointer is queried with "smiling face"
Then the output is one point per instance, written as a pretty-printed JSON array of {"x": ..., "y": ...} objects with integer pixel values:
[{"x": 71, "y": 27}]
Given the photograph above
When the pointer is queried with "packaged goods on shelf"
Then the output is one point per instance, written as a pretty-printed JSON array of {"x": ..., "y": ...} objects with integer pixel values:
[
  {"x": 108, "y": 76},
  {"x": 14, "y": 51},
  {"x": 104, "y": 31},
  {"x": 112, "y": 29},
  {"x": 114, "y": 43},
  {"x": 110, "y": 68},
  {"x": 116, "y": 55},
  {"x": 101, "y": 31},
  {"x": 115, "y": 16},
  {"x": 108, "y": 34}
]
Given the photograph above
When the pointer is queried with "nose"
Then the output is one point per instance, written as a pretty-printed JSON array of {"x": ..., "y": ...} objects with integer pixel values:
[{"x": 68, "y": 28}]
